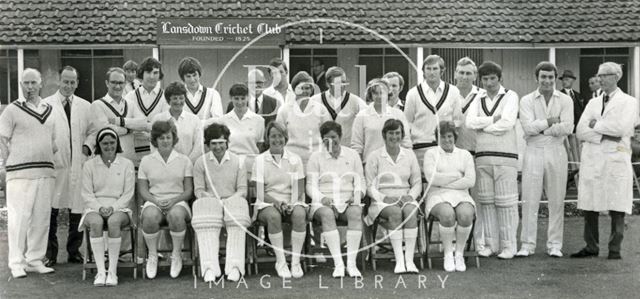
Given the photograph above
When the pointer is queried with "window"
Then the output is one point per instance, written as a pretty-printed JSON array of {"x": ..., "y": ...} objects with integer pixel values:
[
  {"x": 302, "y": 60},
  {"x": 591, "y": 58},
  {"x": 9, "y": 72},
  {"x": 380, "y": 61},
  {"x": 92, "y": 66}
]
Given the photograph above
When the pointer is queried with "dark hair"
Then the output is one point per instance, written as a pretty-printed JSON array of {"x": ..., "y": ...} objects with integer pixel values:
[
  {"x": 107, "y": 132},
  {"x": 332, "y": 72},
  {"x": 446, "y": 127},
  {"x": 276, "y": 62},
  {"x": 189, "y": 65},
  {"x": 175, "y": 89},
  {"x": 238, "y": 89},
  {"x": 547, "y": 67},
  {"x": 215, "y": 131},
  {"x": 162, "y": 127},
  {"x": 301, "y": 77},
  {"x": 147, "y": 65},
  {"x": 329, "y": 126},
  {"x": 320, "y": 62},
  {"x": 392, "y": 124},
  {"x": 69, "y": 68},
  {"x": 130, "y": 65},
  {"x": 490, "y": 68}
]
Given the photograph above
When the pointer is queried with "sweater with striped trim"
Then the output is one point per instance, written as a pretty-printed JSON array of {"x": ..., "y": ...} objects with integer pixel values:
[{"x": 30, "y": 131}]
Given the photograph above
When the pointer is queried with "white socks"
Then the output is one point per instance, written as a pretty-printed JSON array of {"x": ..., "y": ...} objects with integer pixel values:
[
  {"x": 177, "y": 239},
  {"x": 395, "y": 238},
  {"x": 277, "y": 241},
  {"x": 462, "y": 234},
  {"x": 332, "y": 238},
  {"x": 410, "y": 236},
  {"x": 235, "y": 249},
  {"x": 114, "y": 254},
  {"x": 353, "y": 245},
  {"x": 446, "y": 235},
  {"x": 297, "y": 241},
  {"x": 97, "y": 246},
  {"x": 152, "y": 242}
]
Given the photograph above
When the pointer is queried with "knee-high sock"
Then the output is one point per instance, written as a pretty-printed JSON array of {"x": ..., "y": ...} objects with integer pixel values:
[
  {"x": 490, "y": 226},
  {"x": 332, "y": 238},
  {"x": 177, "y": 238},
  {"x": 277, "y": 241},
  {"x": 353, "y": 245},
  {"x": 209, "y": 247},
  {"x": 114, "y": 253},
  {"x": 152, "y": 242},
  {"x": 462, "y": 234},
  {"x": 508, "y": 225},
  {"x": 395, "y": 237},
  {"x": 410, "y": 236},
  {"x": 446, "y": 236},
  {"x": 97, "y": 246},
  {"x": 235, "y": 249},
  {"x": 297, "y": 241}
]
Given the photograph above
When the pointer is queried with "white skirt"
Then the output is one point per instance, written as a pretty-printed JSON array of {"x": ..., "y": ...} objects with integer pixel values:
[
  {"x": 87, "y": 211},
  {"x": 183, "y": 204},
  {"x": 451, "y": 196}
]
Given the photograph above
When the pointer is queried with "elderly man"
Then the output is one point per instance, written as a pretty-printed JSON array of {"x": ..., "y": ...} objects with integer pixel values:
[
  {"x": 396, "y": 84},
  {"x": 27, "y": 146},
  {"x": 72, "y": 115},
  {"x": 494, "y": 116},
  {"x": 606, "y": 182},
  {"x": 546, "y": 116},
  {"x": 259, "y": 102},
  {"x": 427, "y": 103}
]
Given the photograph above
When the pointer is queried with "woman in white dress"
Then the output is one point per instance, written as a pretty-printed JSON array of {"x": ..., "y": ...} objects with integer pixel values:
[
  {"x": 450, "y": 172},
  {"x": 107, "y": 189},
  {"x": 394, "y": 185}
]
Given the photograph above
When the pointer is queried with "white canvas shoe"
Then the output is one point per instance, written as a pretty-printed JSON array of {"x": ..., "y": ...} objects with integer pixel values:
[
  {"x": 485, "y": 252},
  {"x": 449, "y": 263},
  {"x": 100, "y": 279},
  {"x": 176, "y": 266},
  {"x": 283, "y": 270},
  {"x": 554, "y": 252},
  {"x": 460, "y": 265},
  {"x": 112, "y": 280},
  {"x": 152, "y": 266},
  {"x": 296, "y": 271},
  {"x": 524, "y": 252},
  {"x": 338, "y": 271},
  {"x": 353, "y": 271}
]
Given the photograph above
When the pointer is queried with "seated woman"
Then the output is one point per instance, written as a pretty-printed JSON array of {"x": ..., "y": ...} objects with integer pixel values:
[
  {"x": 165, "y": 183},
  {"x": 450, "y": 172},
  {"x": 279, "y": 178},
  {"x": 220, "y": 184},
  {"x": 394, "y": 180},
  {"x": 108, "y": 182},
  {"x": 336, "y": 185}
]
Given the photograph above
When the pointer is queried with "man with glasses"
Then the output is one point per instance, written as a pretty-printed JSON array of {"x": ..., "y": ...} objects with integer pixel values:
[
  {"x": 259, "y": 102},
  {"x": 606, "y": 182}
]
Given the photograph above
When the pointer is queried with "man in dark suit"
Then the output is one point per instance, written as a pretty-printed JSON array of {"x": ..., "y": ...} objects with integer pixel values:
[
  {"x": 260, "y": 103},
  {"x": 572, "y": 144},
  {"x": 319, "y": 74}
]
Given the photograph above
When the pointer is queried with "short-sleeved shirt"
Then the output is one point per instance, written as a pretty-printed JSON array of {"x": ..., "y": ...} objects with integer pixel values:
[
  {"x": 166, "y": 179},
  {"x": 278, "y": 178},
  {"x": 190, "y": 135},
  {"x": 303, "y": 127},
  {"x": 246, "y": 133}
]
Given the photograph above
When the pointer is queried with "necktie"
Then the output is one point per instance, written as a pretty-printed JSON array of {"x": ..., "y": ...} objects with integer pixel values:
[
  {"x": 257, "y": 106},
  {"x": 67, "y": 109},
  {"x": 605, "y": 99}
]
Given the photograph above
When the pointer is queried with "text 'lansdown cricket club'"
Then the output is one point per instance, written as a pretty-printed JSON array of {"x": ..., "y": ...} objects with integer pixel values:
[{"x": 180, "y": 30}]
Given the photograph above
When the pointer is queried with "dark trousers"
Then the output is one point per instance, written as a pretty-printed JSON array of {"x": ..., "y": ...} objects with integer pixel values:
[
  {"x": 592, "y": 237},
  {"x": 74, "y": 239}
]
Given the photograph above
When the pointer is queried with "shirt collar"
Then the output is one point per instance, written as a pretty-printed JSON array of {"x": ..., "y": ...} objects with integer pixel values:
[
  {"x": 32, "y": 106},
  {"x": 285, "y": 156},
  {"x": 154, "y": 91},
  {"x": 225, "y": 158},
  {"x": 441, "y": 150},
  {"x": 247, "y": 115},
  {"x": 426, "y": 86},
  {"x": 116, "y": 161},
  {"x": 327, "y": 155},
  {"x": 371, "y": 110},
  {"x": 156, "y": 155},
  {"x": 110, "y": 100},
  {"x": 537, "y": 94},
  {"x": 386, "y": 155},
  {"x": 63, "y": 99}
]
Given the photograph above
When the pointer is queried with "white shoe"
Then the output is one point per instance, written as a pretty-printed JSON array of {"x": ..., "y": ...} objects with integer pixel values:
[
  {"x": 176, "y": 266},
  {"x": 524, "y": 252},
  {"x": 338, "y": 271},
  {"x": 152, "y": 266},
  {"x": 399, "y": 269},
  {"x": 460, "y": 265},
  {"x": 353, "y": 271},
  {"x": 554, "y": 252},
  {"x": 209, "y": 276},
  {"x": 18, "y": 273},
  {"x": 100, "y": 279},
  {"x": 485, "y": 252},
  {"x": 506, "y": 254},
  {"x": 112, "y": 280},
  {"x": 41, "y": 269},
  {"x": 449, "y": 263},
  {"x": 296, "y": 271},
  {"x": 283, "y": 270},
  {"x": 411, "y": 267},
  {"x": 234, "y": 275}
]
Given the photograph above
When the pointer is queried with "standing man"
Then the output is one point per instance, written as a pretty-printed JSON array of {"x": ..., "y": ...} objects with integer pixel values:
[
  {"x": 130, "y": 69},
  {"x": 594, "y": 86},
  {"x": 260, "y": 103},
  {"x": 430, "y": 102},
  {"x": 494, "y": 116},
  {"x": 342, "y": 105},
  {"x": 606, "y": 182},
  {"x": 572, "y": 145},
  {"x": 319, "y": 74},
  {"x": 466, "y": 74},
  {"x": 201, "y": 101},
  {"x": 546, "y": 116},
  {"x": 280, "y": 88},
  {"x": 396, "y": 84},
  {"x": 27, "y": 146},
  {"x": 72, "y": 115}
]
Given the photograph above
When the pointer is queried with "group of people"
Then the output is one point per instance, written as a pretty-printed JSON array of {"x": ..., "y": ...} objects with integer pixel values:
[{"x": 307, "y": 155}]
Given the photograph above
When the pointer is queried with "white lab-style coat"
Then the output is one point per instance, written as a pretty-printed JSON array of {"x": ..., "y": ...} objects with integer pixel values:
[
  {"x": 69, "y": 158},
  {"x": 606, "y": 181}
]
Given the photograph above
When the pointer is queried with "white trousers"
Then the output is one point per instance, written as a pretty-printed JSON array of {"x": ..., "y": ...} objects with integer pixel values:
[
  {"x": 545, "y": 168},
  {"x": 29, "y": 208}
]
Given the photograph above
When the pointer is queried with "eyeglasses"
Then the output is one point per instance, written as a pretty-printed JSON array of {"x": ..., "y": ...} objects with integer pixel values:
[
  {"x": 117, "y": 82},
  {"x": 605, "y": 75}
]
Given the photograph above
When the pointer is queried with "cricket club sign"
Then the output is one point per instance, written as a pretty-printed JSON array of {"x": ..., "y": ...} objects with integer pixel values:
[{"x": 220, "y": 31}]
